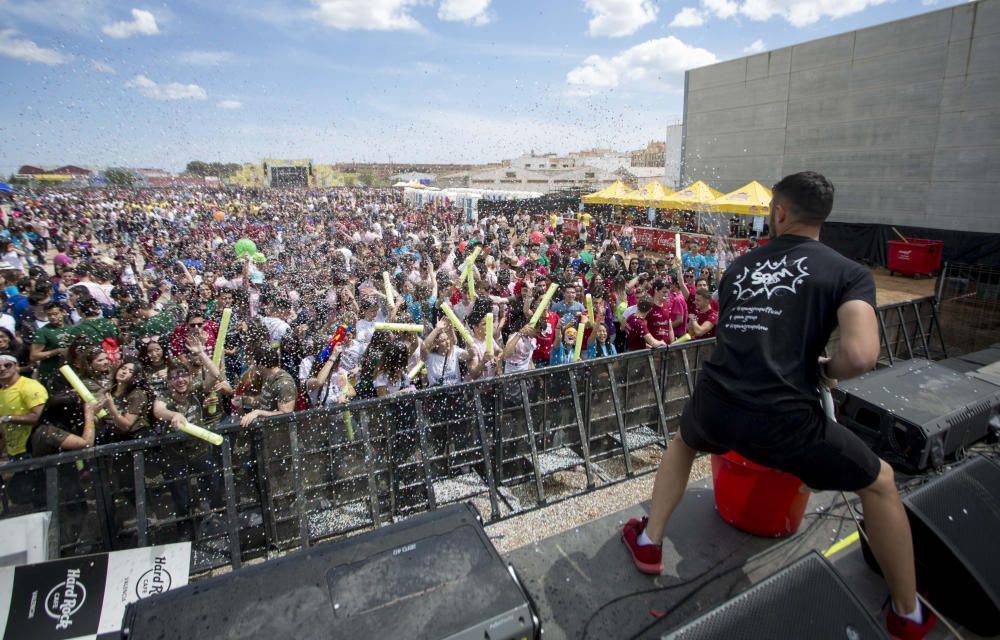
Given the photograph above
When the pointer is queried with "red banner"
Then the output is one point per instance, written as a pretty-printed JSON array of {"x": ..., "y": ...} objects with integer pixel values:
[{"x": 651, "y": 238}]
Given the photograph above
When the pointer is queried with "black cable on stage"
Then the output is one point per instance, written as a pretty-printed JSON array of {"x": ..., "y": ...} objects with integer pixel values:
[{"x": 798, "y": 539}]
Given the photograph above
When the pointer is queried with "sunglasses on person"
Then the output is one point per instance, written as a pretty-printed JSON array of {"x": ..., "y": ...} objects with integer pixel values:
[
  {"x": 180, "y": 376},
  {"x": 196, "y": 325},
  {"x": 149, "y": 339}
]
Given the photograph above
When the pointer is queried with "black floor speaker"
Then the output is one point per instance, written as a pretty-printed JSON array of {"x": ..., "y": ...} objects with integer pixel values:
[
  {"x": 917, "y": 414},
  {"x": 435, "y": 575},
  {"x": 808, "y": 599},
  {"x": 956, "y": 527}
]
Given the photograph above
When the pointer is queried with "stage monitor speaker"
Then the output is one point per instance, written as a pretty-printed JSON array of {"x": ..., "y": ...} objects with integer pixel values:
[
  {"x": 808, "y": 599},
  {"x": 435, "y": 575},
  {"x": 917, "y": 413},
  {"x": 956, "y": 524}
]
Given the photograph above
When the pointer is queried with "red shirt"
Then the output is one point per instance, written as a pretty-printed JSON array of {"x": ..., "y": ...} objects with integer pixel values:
[
  {"x": 678, "y": 309},
  {"x": 709, "y": 315},
  {"x": 635, "y": 332},
  {"x": 658, "y": 321},
  {"x": 543, "y": 342}
]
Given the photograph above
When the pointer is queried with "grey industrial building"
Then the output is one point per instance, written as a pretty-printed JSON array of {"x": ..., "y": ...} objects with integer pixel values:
[{"x": 904, "y": 117}]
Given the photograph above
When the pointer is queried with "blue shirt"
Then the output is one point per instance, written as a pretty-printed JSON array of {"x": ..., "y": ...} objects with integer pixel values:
[{"x": 693, "y": 261}]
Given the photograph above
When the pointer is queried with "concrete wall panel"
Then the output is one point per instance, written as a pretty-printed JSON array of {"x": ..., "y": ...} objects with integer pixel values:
[
  {"x": 904, "y": 117},
  {"x": 824, "y": 52}
]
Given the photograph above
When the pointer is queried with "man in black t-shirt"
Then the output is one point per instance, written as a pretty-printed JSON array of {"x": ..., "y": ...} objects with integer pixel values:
[{"x": 758, "y": 393}]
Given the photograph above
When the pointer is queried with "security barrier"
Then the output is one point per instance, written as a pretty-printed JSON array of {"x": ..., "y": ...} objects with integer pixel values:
[{"x": 510, "y": 444}]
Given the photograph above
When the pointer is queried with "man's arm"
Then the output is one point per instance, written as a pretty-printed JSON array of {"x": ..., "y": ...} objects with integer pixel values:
[{"x": 859, "y": 341}]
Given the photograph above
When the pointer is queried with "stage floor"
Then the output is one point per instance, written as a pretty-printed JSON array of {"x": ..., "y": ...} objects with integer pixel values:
[{"x": 585, "y": 585}]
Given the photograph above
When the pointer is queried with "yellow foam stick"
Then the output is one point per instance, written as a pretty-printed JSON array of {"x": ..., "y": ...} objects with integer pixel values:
[
  {"x": 471, "y": 260},
  {"x": 683, "y": 338},
  {"x": 219, "y": 351},
  {"x": 455, "y": 322},
  {"x": 200, "y": 432},
  {"x": 399, "y": 326},
  {"x": 472, "y": 285},
  {"x": 489, "y": 334},
  {"x": 415, "y": 371},
  {"x": 590, "y": 307},
  {"x": 543, "y": 304},
  {"x": 349, "y": 425},
  {"x": 388, "y": 289},
  {"x": 78, "y": 386},
  {"x": 579, "y": 341},
  {"x": 677, "y": 248}
]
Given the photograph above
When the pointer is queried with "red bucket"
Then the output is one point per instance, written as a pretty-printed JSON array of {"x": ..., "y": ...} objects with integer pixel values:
[{"x": 756, "y": 499}]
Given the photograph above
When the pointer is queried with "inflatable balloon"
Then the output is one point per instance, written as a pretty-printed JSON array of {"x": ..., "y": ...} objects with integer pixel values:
[
  {"x": 219, "y": 216},
  {"x": 245, "y": 247}
]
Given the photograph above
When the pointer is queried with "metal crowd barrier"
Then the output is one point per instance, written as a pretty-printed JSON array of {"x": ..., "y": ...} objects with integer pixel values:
[{"x": 510, "y": 444}]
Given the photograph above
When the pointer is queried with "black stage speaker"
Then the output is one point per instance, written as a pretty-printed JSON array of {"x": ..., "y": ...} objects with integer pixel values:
[
  {"x": 808, "y": 599},
  {"x": 917, "y": 413},
  {"x": 956, "y": 525},
  {"x": 433, "y": 575}
]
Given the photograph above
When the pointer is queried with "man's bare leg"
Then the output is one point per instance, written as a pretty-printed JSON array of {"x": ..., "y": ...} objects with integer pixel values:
[
  {"x": 889, "y": 534},
  {"x": 668, "y": 488}
]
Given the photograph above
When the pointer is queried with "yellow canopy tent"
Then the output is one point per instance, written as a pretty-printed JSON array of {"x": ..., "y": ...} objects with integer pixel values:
[
  {"x": 611, "y": 194},
  {"x": 692, "y": 198},
  {"x": 651, "y": 195},
  {"x": 752, "y": 199}
]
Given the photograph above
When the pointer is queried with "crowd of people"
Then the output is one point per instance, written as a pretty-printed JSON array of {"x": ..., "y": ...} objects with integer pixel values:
[{"x": 128, "y": 288}]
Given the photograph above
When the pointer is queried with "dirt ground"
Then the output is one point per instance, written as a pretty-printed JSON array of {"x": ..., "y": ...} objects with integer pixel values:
[{"x": 891, "y": 289}]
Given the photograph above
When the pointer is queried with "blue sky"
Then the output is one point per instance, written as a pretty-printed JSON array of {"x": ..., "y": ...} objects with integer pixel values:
[{"x": 97, "y": 82}]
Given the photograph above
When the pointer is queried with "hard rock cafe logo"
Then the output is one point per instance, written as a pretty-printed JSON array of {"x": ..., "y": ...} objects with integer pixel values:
[
  {"x": 65, "y": 599},
  {"x": 156, "y": 580},
  {"x": 769, "y": 278}
]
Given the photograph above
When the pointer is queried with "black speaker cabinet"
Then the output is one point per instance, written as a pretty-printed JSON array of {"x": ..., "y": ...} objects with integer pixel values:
[
  {"x": 435, "y": 575},
  {"x": 808, "y": 599},
  {"x": 917, "y": 413},
  {"x": 956, "y": 526}
]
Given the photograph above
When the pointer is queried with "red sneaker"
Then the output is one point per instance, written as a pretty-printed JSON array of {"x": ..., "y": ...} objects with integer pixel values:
[
  {"x": 901, "y": 628},
  {"x": 647, "y": 557}
]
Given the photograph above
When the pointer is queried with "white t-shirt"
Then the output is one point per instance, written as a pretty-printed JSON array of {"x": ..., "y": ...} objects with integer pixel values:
[
  {"x": 443, "y": 370},
  {"x": 382, "y": 381}
]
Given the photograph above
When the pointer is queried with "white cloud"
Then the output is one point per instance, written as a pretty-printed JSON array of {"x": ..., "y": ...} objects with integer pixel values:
[
  {"x": 755, "y": 47},
  {"x": 143, "y": 24},
  {"x": 616, "y": 18},
  {"x": 102, "y": 67},
  {"x": 369, "y": 15},
  {"x": 471, "y": 11},
  {"x": 652, "y": 64},
  {"x": 167, "y": 91},
  {"x": 204, "y": 58},
  {"x": 723, "y": 8},
  {"x": 688, "y": 17},
  {"x": 229, "y": 104},
  {"x": 12, "y": 46},
  {"x": 798, "y": 13}
]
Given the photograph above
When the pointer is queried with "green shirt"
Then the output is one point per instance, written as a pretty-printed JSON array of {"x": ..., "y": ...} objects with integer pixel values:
[
  {"x": 278, "y": 389},
  {"x": 96, "y": 329},
  {"x": 161, "y": 324},
  {"x": 50, "y": 338}
]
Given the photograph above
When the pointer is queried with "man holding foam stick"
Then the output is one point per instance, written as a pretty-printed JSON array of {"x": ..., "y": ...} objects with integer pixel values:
[{"x": 758, "y": 393}]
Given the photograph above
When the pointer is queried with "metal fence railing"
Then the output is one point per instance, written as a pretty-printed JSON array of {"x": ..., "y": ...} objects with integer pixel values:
[
  {"x": 510, "y": 444},
  {"x": 969, "y": 297}
]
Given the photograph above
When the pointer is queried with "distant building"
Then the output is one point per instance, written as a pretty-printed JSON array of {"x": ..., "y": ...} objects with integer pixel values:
[
  {"x": 672, "y": 156},
  {"x": 654, "y": 155},
  {"x": 514, "y": 178}
]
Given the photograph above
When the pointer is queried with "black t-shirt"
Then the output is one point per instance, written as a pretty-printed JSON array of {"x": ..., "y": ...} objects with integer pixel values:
[{"x": 777, "y": 308}]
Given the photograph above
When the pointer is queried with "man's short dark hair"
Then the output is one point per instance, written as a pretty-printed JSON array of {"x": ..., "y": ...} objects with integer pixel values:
[
  {"x": 266, "y": 356},
  {"x": 808, "y": 196}
]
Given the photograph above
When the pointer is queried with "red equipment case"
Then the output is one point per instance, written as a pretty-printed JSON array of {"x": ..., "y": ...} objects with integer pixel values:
[{"x": 915, "y": 257}]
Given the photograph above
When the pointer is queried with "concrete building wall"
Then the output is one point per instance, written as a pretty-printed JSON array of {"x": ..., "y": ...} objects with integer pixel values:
[
  {"x": 904, "y": 117},
  {"x": 672, "y": 161}
]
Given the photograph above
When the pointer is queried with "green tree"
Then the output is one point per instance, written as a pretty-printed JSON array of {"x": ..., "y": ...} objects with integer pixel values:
[
  {"x": 119, "y": 177},
  {"x": 367, "y": 178},
  {"x": 197, "y": 168}
]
